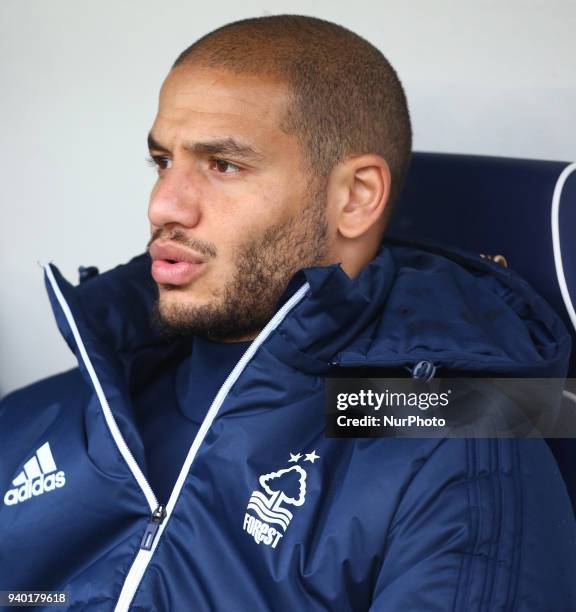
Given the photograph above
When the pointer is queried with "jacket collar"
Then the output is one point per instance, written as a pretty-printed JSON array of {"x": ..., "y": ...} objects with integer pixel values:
[{"x": 411, "y": 302}]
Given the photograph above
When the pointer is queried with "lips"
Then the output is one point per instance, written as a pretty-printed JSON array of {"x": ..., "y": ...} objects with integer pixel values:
[{"x": 172, "y": 265}]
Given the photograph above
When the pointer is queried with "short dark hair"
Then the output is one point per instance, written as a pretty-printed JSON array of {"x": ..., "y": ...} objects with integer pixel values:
[{"x": 345, "y": 96}]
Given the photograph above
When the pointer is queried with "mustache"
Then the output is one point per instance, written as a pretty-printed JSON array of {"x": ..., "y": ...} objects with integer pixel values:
[{"x": 208, "y": 249}]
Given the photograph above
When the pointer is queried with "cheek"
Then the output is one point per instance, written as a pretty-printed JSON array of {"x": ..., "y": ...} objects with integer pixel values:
[
  {"x": 233, "y": 220},
  {"x": 232, "y": 237}
]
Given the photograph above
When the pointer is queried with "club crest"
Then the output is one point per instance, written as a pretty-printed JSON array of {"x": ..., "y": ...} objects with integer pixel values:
[{"x": 270, "y": 510}]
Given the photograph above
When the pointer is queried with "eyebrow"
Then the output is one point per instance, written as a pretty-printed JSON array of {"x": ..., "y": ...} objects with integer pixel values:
[{"x": 219, "y": 146}]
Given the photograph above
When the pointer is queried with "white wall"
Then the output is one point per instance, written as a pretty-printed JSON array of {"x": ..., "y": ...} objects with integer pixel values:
[{"x": 79, "y": 83}]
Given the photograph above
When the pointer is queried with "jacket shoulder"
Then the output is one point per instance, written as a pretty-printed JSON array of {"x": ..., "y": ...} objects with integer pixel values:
[{"x": 57, "y": 389}]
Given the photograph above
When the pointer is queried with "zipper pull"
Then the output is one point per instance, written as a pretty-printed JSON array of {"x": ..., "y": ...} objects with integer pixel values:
[{"x": 157, "y": 519}]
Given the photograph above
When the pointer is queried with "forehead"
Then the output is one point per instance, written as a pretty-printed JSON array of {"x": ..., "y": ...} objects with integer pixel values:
[{"x": 217, "y": 102}]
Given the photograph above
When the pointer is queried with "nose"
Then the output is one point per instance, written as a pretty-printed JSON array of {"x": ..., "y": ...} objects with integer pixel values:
[{"x": 175, "y": 199}]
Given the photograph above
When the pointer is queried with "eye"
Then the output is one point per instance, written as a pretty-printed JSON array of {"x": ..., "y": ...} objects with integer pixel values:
[
  {"x": 159, "y": 162},
  {"x": 222, "y": 166}
]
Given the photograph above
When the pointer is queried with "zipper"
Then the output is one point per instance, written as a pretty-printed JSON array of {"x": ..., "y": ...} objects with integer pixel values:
[
  {"x": 149, "y": 536},
  {"x": 160, "y": 514},
  {"x": 144, "y": 555}
]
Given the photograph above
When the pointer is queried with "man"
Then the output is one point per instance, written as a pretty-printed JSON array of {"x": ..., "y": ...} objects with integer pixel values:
[{"x": 184, "y": 465}]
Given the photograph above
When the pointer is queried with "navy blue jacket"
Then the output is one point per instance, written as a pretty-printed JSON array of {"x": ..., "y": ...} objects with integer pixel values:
[{"x": 267, "y": 513}]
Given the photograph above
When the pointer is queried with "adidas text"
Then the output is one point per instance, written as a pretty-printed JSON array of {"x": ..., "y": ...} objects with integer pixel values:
[{"x": 35, "y": 487}]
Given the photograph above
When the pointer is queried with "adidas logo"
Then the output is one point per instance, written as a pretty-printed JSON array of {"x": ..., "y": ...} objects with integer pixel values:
[{"x": 38, "y": 476}]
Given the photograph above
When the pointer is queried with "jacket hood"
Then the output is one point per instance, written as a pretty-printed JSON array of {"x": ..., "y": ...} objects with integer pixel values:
[{"x": 410, "y": 303}]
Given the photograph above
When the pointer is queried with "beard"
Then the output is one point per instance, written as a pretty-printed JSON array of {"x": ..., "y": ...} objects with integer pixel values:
[{"x": 264, "y": 267}]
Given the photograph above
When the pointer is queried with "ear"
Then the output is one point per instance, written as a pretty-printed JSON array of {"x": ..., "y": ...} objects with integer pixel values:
[{"x": 358, "y": 192}]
